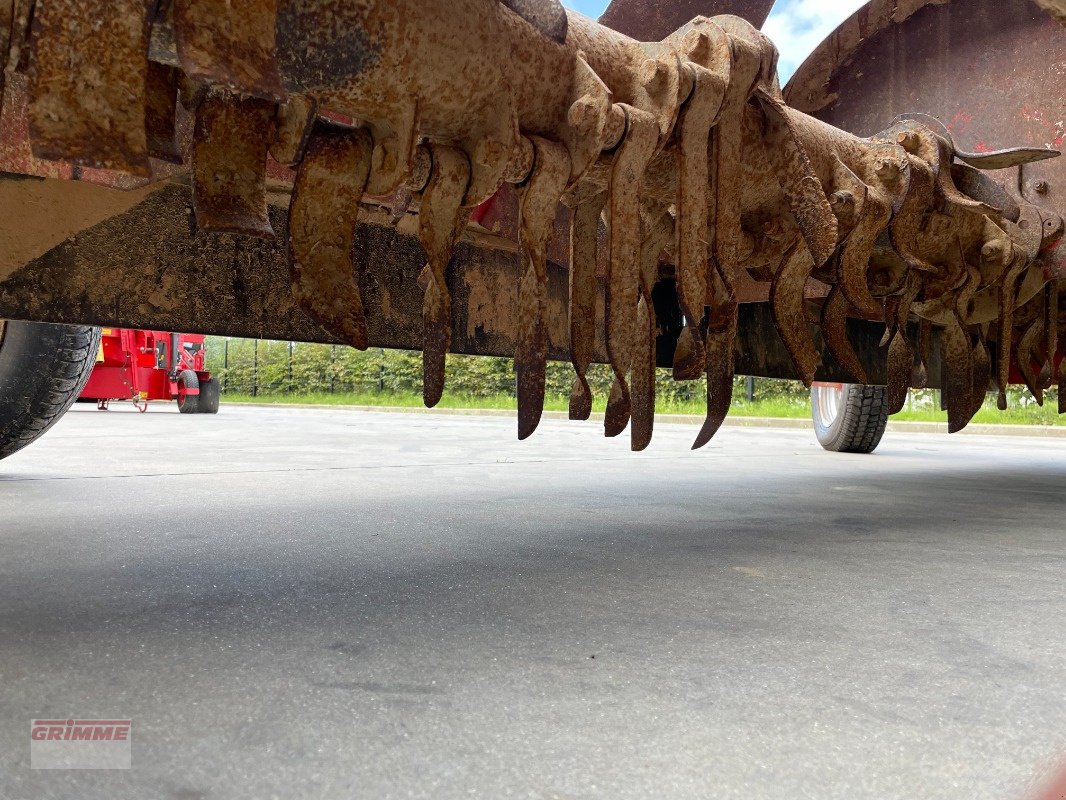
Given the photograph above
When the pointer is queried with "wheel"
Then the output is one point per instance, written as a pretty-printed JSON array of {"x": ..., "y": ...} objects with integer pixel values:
[
  {"x": 188, "y": 392},
  {"x": 43, "y": 369},
  {"x": 849, "y": 417},
  {"x": 209, "y": 396}
]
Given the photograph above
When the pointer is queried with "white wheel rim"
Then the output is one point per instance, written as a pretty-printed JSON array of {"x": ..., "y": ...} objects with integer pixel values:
[{"x": 827, "y": 402}]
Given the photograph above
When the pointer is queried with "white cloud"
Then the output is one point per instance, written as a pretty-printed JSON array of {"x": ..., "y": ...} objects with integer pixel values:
[{"x": 798, "y": 26}]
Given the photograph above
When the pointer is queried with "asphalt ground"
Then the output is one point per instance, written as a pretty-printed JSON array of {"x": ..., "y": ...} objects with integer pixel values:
[{"x": 333, "y": 604}]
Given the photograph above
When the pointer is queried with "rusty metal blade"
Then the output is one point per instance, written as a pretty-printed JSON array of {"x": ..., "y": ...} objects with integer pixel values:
[
  {"x": 855, "y": 256},
  {"x": 642, "y": 395},
  {"x": 652, "y": 21},
  {"x": 1008, "y": 295},
  {"x": 956, "y": 356},
  {"x": 907, "y": 225},
  {"x": 693, "y": 189},
  {"x": 658, "y": 227},
  {"x": 627, "y": 180},
  {"x": 441, "y": 219},
  {"x": 539, "y": 200},
  {"x": 584, "y": 238},
  {"x": 787, "y": 306},
  {"x": 982, "y": 377},
  {"x": 900, "y": 367},
  {"x": 1025, "y": 352},
  {"x": 230, "y": 42},
  {"x": 835, "y": 334},
  {"x": 322, "y": 223},
  {"x": 721, "y": 341},
  {"x": 920, "y": 377},
  {"x": 229, "y": 164},
  {"x": 88, "y": 83},
  {"x": 1004, "y": 159},
  {"x": 804, "y": 192}
]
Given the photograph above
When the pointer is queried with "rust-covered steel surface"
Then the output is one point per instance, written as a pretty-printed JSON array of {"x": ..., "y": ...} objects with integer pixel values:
[
  {"x": 648, "y": 20},
  {"x": 702, "y": 174}
]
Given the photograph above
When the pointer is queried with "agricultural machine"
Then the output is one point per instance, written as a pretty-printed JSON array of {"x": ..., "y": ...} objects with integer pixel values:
[
  {"x": 506, "y": 177},
  {"x": 141, "y": 366}
]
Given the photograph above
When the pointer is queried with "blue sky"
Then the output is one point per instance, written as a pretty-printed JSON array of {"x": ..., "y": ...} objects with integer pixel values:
[{"x": 796, "y": 26}]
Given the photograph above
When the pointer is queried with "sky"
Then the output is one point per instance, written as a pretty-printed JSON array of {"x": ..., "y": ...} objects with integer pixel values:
[{"x": 796, "y": 26}]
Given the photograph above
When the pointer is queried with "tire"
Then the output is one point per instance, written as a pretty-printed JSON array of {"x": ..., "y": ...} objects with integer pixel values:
[
  {"x": 188, "y": 403},
  {"x": 209, "y": 396},
  {"x": 43, "y": 369},
  {"x": 849, "y": 419}
]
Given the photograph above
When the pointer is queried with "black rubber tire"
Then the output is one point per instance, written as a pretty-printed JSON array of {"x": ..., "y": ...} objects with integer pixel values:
[
  {"x": 188, "y": 404},
  {"x": 860, "y": 421},
  {"x": 43, "y": 369},
  {"x": 209, "y": 396}
]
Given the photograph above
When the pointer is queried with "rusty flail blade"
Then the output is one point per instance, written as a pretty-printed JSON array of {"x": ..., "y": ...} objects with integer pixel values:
[
  {"x": 160, "y": 113},
  {"x": 982, "y": 377},
  {"x": 658, "y": 230},
  {"x": 1008, "y": 294},
  {"x": 1051, "y": 334},
  {"x": 322, "y": 225},
  {"x": 709, "y": 44},
  {"x": 727, "y": 151},
  {"x": 229, "y": 164},
  {"x": 806, "y": 198},
  {"x": 441, "y": 219},
  {"x": 623, "y": 278},
  {"x": 539, "y": 199},
  {"x": 1025, "y": 352},
  {"x": 787, "y": 305},
  {"x": 956, "y": 356},
  {"x": 88, "y": 83},
  {"x": 584, "y": 238},
  {"x": 900, "y": 350},
  {"x": 835, "y": 334},
  {"x": 230, "y": 43},
  {"x": 920, "y": 377},
  {"x": 721, "y": 341},
  {"x": 907, "y": 225}
]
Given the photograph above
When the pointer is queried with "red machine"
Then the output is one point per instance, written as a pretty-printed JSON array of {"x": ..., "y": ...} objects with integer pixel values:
[{"x": 142, "y": 365}]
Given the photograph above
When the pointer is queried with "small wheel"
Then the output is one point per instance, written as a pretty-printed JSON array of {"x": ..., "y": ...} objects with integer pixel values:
[
  {"x": 188, "y": 403},
  {"x": 849, "y": 417},
  {"x": 209, "y": 396}
]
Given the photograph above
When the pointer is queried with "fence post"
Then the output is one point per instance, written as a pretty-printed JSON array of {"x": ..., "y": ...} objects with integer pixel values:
[
  {"x": 332, "y": 368},
  {"x": 290, "y": 367},
  {"x": 750, "y": 388},
  {"x": 225, "y": 363},
  {"x": 255, "y": 368}
]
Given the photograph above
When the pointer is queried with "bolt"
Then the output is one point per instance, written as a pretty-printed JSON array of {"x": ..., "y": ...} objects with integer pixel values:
[
  {"x": 581, "y": 114},
  {"x": 653, "y": 75},
  {"x": 889, "y": 169},
  {"x": 909, "y": 141},
  {"x": 1041, "y": 187},
  {"x": 696, "y": 45},
  {"x": 842, "y": 199},
  {"x": 992, "y": 251}
]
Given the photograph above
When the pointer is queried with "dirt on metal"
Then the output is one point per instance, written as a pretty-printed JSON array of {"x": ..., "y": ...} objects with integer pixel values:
[{"x": 683, "y": 149}]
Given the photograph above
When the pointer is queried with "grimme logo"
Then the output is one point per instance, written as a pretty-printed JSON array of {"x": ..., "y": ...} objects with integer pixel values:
[{"x": 80, "y": 743}]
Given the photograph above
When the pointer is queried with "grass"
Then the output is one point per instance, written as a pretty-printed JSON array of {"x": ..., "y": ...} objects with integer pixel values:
[{"x": 779, "y": 407}]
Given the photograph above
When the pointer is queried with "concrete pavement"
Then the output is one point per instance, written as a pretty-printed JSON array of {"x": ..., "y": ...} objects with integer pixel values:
[{"x": 316, "y": 603}]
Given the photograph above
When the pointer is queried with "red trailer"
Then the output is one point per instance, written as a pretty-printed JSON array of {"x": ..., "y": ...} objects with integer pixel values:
[{"x": 141, "y": 365}]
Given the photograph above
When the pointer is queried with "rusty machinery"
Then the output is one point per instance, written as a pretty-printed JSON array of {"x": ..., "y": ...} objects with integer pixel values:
[{"x": 542, "y": 172}]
